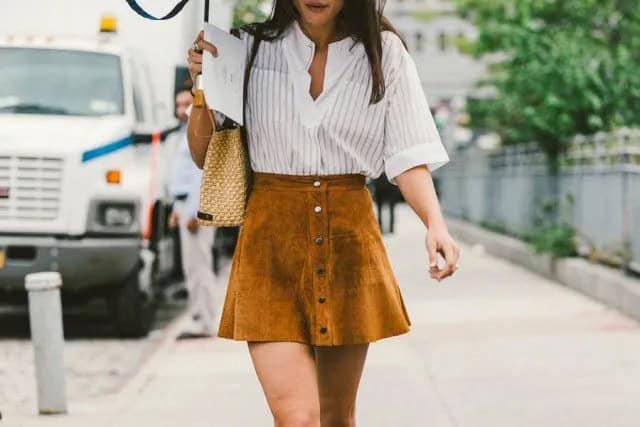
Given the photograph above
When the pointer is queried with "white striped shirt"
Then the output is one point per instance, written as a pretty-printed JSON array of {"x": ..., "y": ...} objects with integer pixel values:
[{"x": 340, "y": 132}]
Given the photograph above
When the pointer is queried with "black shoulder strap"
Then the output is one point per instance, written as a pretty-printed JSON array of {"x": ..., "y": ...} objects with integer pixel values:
[
  {"x": 252, "y": 59},
  {"x": 176, "y": 9},
  {"x": 247, "y": 74}
]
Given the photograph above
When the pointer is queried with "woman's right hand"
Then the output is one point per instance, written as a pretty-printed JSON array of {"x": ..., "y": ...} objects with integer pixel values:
[
  {"x": 201, "y": 124},
  {"x": 194, "y": 57}
]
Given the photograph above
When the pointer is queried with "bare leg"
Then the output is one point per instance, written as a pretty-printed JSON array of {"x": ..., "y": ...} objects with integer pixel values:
[
  {"x": 287, "y": 373},
  {"x": 339, "y": 371}
]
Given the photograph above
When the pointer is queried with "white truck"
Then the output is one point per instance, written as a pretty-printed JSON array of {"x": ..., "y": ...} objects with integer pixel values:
[
  {"x": 83, "y": 118},
  {"x": 82, "y": 171}
]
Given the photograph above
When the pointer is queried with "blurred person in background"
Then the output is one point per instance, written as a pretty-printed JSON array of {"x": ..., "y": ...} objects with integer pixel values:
[
  {"x": 385, "y": 193},
  {"x": 195, "y": 241}
]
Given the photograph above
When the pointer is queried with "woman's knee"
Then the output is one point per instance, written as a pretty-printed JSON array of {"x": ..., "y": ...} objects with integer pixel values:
[
  {"x": 298, "y": 417},
  {"x": 338, "y": 417}
]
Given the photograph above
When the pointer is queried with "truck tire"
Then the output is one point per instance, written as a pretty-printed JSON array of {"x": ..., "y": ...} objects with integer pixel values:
[{"x": 132, "y": 309}]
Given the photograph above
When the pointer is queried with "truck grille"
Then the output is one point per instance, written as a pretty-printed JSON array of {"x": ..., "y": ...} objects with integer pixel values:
[{"x": 30, "y": 187}]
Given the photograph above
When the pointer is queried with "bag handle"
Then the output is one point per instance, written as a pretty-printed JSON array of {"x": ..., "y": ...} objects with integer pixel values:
[{"x": 176, "y": 9}]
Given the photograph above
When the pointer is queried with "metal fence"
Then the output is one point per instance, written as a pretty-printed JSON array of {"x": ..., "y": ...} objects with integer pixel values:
[{"x": 596, "y": 190}]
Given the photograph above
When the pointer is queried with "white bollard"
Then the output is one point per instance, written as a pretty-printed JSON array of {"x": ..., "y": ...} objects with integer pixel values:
[{"x": 45, "y": 316}]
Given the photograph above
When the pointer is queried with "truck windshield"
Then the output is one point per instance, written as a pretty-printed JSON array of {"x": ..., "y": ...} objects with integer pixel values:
[{"x": 63, "y": 82}]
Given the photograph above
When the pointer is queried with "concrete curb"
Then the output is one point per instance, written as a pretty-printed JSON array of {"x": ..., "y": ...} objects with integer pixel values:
[{"x": 607, "y": 285}]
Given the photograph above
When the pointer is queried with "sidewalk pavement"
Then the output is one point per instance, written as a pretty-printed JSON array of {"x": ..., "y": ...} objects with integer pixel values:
[{"x": 494, "y": 346}]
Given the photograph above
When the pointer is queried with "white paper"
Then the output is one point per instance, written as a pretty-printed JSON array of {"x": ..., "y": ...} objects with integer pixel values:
[{"x": 223, "y": 76}]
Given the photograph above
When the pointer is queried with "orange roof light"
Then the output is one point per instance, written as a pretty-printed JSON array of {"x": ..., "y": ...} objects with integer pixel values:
[
  {"x": 113, "y": 176},
  {"x": 108, "y": 24}
]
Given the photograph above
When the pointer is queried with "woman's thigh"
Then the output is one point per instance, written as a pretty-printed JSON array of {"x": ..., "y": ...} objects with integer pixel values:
[
  {"x": 339, "y": 370},
  {"x": 287, "y": 373}
]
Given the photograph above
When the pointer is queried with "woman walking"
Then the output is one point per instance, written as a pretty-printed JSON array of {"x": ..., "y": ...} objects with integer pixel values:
[{"x": 333, "y": 97}]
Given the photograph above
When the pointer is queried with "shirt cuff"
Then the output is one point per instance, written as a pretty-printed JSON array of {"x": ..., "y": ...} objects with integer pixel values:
[{"x": 433, "y": 155}]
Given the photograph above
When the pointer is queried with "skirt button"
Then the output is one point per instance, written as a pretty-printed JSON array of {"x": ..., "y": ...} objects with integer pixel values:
[
  {"x": 323, "y": 329},
  {"x": 321, "y": 300},
  {"x": 316, "y": 183},
  {"x": 318, "y": 241}
]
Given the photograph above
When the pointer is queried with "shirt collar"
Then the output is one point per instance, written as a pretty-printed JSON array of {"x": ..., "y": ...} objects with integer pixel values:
[{"x": 303, "y": 47}]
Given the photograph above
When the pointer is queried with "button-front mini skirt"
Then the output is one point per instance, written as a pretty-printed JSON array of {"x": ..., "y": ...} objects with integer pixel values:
[{"x": 310, "y": 266}]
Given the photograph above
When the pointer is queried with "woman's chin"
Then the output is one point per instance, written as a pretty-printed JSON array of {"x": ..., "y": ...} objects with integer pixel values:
[{"x": 316, "y": 19}]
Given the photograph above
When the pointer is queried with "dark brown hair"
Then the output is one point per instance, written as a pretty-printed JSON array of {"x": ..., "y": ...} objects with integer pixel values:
[{"x": 363, "y": 20}]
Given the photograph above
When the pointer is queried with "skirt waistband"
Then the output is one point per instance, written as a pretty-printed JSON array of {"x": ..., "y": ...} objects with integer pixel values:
[{"x": 307, "y": 182}]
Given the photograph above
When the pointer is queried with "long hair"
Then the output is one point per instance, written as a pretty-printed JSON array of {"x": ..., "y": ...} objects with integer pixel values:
[{"x": 363, "y": 20}]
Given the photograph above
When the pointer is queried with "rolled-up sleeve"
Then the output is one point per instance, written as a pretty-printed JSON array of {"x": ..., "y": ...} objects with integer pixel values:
[{"x": 410, "y": 135}]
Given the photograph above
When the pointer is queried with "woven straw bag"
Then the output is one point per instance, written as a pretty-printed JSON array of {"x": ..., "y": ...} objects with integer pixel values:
[
  {"x": 226, "y": 174},
  {"x": 225, "y": 183}
]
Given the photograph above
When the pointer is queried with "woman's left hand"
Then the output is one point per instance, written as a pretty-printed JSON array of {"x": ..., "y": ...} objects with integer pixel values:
[{"x": 440, "y": 242}]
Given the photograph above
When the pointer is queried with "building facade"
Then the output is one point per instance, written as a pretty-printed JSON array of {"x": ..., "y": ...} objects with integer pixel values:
[{"x": 436, "y": 35}]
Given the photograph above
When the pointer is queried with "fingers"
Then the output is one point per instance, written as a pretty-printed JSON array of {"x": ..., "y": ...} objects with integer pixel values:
[
  {"x": 194, "y": 57},
  {"x": 451, "y": 260},
  {"x": 209, "y": 47},
  {"x": 202, "y": 45},
  {"x": 195, "y": 63},
  {"x": 432, "y": 251},
  {"x": 451, "y": 253},
  {"x": 196, "y": 42},
  {"x": 194, "y": 69}
]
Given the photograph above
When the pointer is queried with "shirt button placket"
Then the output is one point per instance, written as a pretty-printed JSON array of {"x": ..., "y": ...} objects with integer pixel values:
[{"x": 319, "y": 228}]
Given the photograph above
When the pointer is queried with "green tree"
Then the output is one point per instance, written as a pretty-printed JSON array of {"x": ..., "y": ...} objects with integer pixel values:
[
  {"x": 248, "y": 11},
  {"x": 564, "y": 67}
]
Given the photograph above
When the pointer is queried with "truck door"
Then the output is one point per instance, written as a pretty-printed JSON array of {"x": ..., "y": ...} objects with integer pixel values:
[{"x": 151, "y": 154}]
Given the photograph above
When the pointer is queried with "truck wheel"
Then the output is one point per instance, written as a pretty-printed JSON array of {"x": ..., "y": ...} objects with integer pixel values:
[{"x": 133, "y": 310}]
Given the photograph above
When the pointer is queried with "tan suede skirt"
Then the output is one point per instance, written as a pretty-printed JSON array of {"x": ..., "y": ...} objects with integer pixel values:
[{"x": 310, "y": 266}]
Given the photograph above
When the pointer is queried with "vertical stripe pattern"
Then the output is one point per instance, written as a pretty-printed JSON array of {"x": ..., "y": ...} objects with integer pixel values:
[{"x": 340, "y": 131}]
